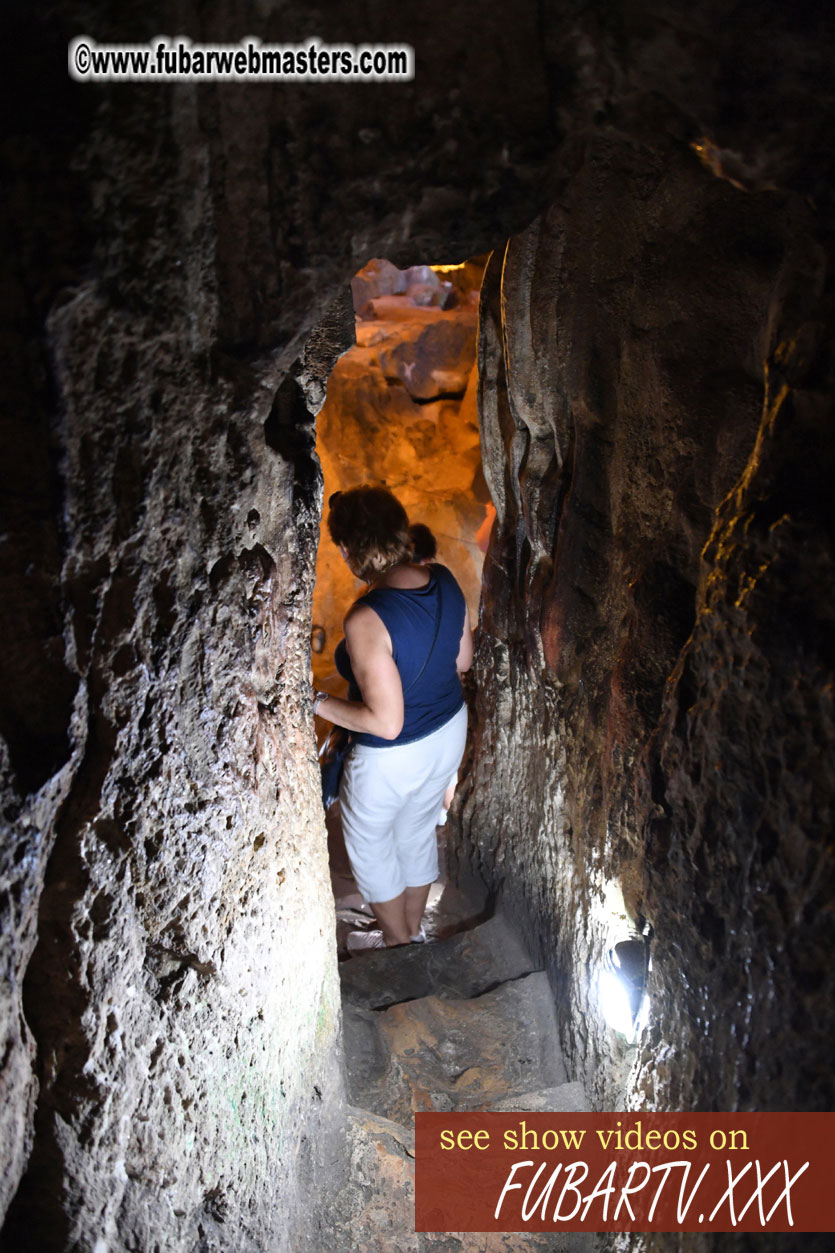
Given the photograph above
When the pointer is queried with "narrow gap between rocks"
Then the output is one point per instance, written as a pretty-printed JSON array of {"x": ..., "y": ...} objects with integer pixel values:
[
  {"x": 401, "y": 411},
  {"x": 465, "y": 1021}
]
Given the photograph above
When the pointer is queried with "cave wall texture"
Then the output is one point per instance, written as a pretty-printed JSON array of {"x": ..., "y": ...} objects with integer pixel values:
[
  {"x": 655, "y": 377},
  {"x": 664, "y": 526}
]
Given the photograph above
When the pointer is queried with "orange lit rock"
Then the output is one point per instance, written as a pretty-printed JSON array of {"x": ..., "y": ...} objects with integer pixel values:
[{"x": 401, "y": 410}]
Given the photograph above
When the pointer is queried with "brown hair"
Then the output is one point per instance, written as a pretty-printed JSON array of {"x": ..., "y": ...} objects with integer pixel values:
[
  {"x": 371, "y": 525},
  {"x": 424, "y": 545}
]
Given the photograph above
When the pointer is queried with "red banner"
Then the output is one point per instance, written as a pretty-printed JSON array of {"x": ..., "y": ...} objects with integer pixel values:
[{"x": 625, "y": 1172}]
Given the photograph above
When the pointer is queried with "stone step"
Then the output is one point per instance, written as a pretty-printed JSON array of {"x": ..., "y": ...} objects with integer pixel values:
[
  {"x": 566, "y": 1098},
  {"x": 454, "y": 1054},
  {"x": 374, "y": 1212},
  {"x": 466, "y": 965}
]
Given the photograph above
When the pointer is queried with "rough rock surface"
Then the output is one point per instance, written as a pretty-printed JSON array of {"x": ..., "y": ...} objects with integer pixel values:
[
  {"x": 465, "y": 965},
  {"x": 186, "y": 850},
  {"x": 375, "y": 1210},
  {"x": 653, "y": 377},
  {"x": 442, "y": 1054}
]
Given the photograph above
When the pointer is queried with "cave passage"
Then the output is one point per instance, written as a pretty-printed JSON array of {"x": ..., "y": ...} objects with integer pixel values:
[
  {"x": 467, "y": 1016},
  {"x": 652, "y": 711},
  {"x": 401, "y": 411}
]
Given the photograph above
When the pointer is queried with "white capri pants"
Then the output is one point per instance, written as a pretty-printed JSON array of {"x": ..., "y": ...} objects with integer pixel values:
[{"x": 390, "y": 799}]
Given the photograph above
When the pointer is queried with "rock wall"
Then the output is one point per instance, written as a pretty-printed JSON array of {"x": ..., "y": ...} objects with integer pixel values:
[
  {"x": 176, "y": 874},
  {"x": 662, "y": 709}
]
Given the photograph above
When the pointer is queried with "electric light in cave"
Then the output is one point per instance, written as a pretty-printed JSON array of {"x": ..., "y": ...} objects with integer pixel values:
[{"x": 621, "y": 986}]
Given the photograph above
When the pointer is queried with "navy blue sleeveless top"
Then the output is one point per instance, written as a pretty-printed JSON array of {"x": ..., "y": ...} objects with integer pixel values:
[{"x": 409, "y": 615}]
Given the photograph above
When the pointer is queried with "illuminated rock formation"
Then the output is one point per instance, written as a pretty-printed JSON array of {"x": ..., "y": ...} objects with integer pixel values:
[{"x": 401, "y": 410}]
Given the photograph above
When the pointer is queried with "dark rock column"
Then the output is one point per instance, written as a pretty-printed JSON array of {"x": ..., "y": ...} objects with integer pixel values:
[
  {"x": 623, "y": 337},
  {"x": 184, "y": 1066},
  {"x": 737, "y": 823}
]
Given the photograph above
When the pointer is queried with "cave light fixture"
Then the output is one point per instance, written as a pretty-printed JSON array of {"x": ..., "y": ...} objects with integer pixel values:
[{"x": 622, "y": 985}]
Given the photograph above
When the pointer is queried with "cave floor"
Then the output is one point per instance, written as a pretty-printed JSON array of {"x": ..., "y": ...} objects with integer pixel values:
[{"x": 462, "y": 1022}]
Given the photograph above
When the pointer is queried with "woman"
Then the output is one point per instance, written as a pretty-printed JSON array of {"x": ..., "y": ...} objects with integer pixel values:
[{"x": 407, "y": 639}]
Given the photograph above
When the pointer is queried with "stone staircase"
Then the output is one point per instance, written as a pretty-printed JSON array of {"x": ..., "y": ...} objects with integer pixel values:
[{"x": 465, "y": 1023}]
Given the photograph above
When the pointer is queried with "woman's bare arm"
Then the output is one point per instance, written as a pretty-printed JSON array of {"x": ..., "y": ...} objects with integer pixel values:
[
  {"x": 380, "y": 712},
  {"x": 465, "y": 649}
]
